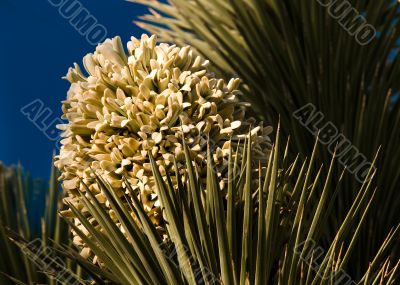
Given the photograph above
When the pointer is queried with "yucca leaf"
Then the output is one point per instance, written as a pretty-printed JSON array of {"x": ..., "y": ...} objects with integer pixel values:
[
  {"x": 202, "y": 227},
  {"x": 174, "y": 225},
  {"x": 171, "y": 274},
  {"x": 271, "y": 209},
  {"x": 220, "y": 221}
]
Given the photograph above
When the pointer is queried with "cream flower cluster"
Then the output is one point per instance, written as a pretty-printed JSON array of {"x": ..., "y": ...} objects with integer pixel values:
[{"x": 146, "y": 99}]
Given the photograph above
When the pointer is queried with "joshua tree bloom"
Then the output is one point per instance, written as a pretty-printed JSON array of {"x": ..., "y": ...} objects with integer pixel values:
[{"x": 146, "y": 100}]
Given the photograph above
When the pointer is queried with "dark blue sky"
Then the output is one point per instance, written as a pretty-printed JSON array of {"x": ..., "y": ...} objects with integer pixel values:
[{"x": 37, "y": 46}]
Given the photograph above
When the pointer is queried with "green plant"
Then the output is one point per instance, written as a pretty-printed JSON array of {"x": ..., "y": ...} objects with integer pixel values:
[
  {"x": 292, "y": 53},
  {"x": 262, "y": 234},
  {"x": 16, "y": 193}
]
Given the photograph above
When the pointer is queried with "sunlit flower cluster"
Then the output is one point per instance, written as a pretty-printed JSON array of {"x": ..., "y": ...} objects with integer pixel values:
[{"x": 146, "y": 100}]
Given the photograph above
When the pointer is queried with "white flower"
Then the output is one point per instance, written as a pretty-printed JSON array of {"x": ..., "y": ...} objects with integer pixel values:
[{"x": 146, "y": 99}]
